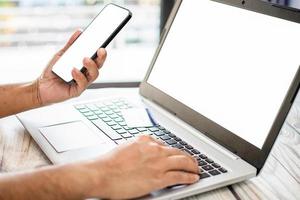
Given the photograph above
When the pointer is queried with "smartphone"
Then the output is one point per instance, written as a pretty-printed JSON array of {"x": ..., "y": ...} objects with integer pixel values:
[{"x": 98, "y": 34}]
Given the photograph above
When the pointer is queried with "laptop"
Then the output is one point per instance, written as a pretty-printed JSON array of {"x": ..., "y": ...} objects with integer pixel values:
[{"x": 219, "y": 87}]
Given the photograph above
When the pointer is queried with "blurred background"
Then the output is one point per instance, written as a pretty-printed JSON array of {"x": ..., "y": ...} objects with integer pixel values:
[
  {"x": 31, "y": 31},
  {"x": 295, "y": 4}
]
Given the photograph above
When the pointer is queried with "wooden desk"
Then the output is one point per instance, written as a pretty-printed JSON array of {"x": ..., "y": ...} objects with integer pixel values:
[{"x": 279, "y": 179}]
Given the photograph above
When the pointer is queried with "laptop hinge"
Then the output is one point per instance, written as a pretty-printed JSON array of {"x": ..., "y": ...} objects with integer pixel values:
[{"x": 217, "y": 146}]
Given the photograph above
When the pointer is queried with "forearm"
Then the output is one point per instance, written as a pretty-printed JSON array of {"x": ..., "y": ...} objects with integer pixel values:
[
  {"x": 15, "y": 98},
  {"x": 61, "y": 182}
]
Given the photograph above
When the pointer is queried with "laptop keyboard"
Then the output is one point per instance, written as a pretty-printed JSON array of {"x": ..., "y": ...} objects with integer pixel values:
[{"x": 109, "y": 113}]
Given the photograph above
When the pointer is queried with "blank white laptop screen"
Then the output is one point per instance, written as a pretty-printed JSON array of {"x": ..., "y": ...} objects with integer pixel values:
[{"x": 231, "y": 65}]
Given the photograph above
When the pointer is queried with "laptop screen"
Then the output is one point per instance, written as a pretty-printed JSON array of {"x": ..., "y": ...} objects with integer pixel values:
[{"x": 231, "y": 65}]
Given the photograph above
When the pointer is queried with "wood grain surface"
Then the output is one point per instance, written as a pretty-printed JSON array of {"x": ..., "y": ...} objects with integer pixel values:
[{"x": 279, "y": 179}]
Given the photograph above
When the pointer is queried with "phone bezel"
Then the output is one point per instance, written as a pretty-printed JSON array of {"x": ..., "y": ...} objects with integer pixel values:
[{"x": 106, "y": 42}]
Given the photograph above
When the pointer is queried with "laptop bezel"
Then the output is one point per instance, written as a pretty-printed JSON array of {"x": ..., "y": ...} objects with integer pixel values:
[{"x": 229, "y": 140}]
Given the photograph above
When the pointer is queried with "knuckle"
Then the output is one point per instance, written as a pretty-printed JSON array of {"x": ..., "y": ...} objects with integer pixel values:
[
  {"x": 156, "y": 148},
  {"x": 144, "y": 138}
]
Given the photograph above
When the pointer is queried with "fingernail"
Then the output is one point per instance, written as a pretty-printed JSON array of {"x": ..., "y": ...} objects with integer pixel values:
[
  {"x": 74, "y": 72},
  {"x": 200, "y": 170},
  {"x": 196, "y": 177},
  {"x": 102, "y": 51}
]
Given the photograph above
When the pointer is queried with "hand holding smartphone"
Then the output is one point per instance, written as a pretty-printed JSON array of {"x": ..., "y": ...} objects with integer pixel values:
[{"x": 99, "y": 33}]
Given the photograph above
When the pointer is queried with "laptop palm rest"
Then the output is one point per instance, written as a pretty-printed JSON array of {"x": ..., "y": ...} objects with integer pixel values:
[{"x": 69, "y": 136}]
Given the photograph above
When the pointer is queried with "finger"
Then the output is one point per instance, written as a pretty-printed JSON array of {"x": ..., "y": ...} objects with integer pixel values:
[
  {"x": 145, "y": 138},
  {"x": 159, "y": 141},
  {"x": 181, "y": 163},
  {"x": 81, "y": 80},
  {"x": 92, "y": 69},
  {"x": 149, "y": 138},
  {"x": 72, "y": 39},
  {"x": 174, "y": 151},
  {"x": 179, "y": 177},
  {"x": 101, "y": 53}
]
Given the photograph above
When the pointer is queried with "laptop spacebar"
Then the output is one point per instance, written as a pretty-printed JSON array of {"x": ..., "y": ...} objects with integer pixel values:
[{"x": 106, "y": 129}]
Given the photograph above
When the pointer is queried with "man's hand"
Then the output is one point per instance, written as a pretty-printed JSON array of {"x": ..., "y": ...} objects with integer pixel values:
[
  {"x": 51, "y": 89},
  {"x": 129, "y": 171},
  {"x": 140, "y": 167}
]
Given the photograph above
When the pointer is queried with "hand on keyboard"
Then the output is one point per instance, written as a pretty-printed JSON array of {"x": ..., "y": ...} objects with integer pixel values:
[{"x": 142, "y": 166}]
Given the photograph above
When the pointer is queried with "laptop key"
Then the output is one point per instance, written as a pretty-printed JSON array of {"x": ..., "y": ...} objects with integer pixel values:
[
  {"x": 204, "y": 175},
  {"x": 153, "y": 129},
  {"x": 119, "y": 119},
  {"x": 161, "y": 128},
  {"x": 177, "y": 139},
  {"x": 141, "y": 129},
  {"x": 209, "y": 160},
  {"x": 126, "y": 135},
  {"x": 201, "y": 163},
  {"x": 114, "y": 116},
  {"x": 214, "y": 172},
  {"x": 183, "y": 143},
  {"x": 90, "y": 113},
  {"x": 92, "y": 107},
  {"x": 159, "y": 133},
  {"x": 195, "y": 151},
  {"x": 171, "y": 142},
  {"x": 133, "y": 131},
  {"x": 116, "y": 127},
  {"x": 94, "y": 117},
  {"x": 215, "y": 165},
  {"x": 207, "y": 167},
  {"x": 110, "y": 112},
  {"x": 105, "y": 109},
  {"x": 106, "y": 119},
  {"x": 121, "y": 131},
  {"x": 165, "y": 137},
  {"x": 171, "y": 135},
  {"x": 178, "y": 146},
  {"x": 127, "y": 128},
  {"x": 122, "y": 124},
  {"x": 111, "y": 123},
  {"x": 102, "y": 115},
  {"x": 222, "y": 170},
  {"x": 98, "y": 112},
  {"x": 188, "y": 146},
  {"x": 203, "y": 156}
]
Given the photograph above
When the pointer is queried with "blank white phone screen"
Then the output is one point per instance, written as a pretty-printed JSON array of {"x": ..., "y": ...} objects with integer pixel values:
[
  {"x": 109, "y": 19},
  {"x": 231, "y": 65}
]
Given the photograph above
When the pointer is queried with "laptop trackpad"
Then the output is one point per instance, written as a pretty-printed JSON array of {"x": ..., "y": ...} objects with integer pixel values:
[{"x": 70, "y": 136}]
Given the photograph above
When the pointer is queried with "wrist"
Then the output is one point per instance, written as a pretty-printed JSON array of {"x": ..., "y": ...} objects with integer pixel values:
[
  {"x": 87, "y": 179},
  {"x": 36, "y": 97},
  {"x": 98, "y": 174}
]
